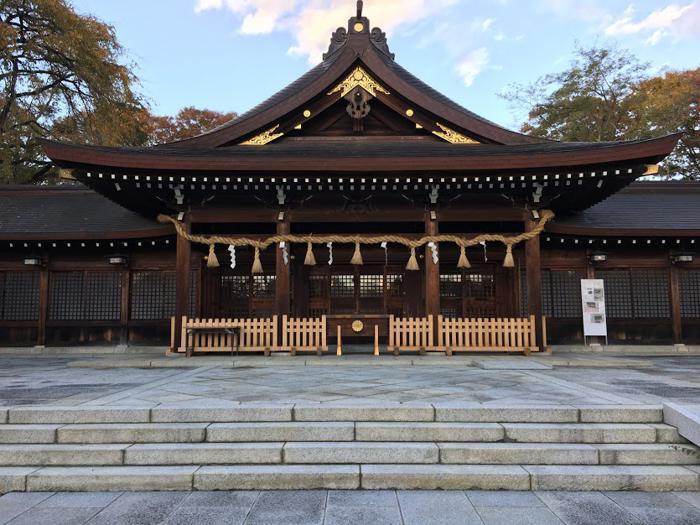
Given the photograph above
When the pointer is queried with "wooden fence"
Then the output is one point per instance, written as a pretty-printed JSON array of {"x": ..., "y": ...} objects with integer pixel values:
[
  {"x": 411, "y": 334},
  {"x": 209, "y": 335},
  {"x": 487, "y": 335},
  {"x": 304, "y": 335}
]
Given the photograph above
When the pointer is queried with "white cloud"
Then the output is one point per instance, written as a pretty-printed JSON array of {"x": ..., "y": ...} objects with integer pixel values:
[
  {"x": 311, "y": 22},
  {"x": 673, "y": 20},
  {"x": 472, "y": 65}
]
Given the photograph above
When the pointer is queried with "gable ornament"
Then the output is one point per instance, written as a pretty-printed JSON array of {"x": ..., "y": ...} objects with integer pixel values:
[{"x": 359, "y": 78}]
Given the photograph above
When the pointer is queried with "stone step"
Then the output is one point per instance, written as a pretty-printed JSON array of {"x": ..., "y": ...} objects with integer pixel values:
[
  {"x": 64, "y": 455},
  {"x": 204, "y": 454},
  {"x": 371, "y": 477},
  {"x": 429, "y": 432},
  {"x": 509, "y": 477},
  {"x": 359, "y": 452},
  {"x": 28, "y": 433},
  {"x": 307, "y": 431},
  {"x": 579, "y": 433},
  {"x": 318, "y": 412},
  {"x": 344, "y": 453},
  {"x": 133, "y": 433}
]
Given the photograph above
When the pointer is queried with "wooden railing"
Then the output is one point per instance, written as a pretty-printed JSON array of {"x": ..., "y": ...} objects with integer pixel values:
[
  {"x": 256, "y": 335},
  {"x": 411, "y": 334},
  {"x": 304, "y": 335},
  {"x": 487, "y": 335}
]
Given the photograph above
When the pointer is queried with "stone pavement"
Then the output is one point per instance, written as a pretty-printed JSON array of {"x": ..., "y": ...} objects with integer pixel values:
[
  {"x": 352, "y": 507},
  {"x": 616, "y": 380}
]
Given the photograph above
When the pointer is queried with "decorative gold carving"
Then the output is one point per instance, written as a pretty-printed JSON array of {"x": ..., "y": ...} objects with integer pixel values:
[
  {"x": 307, "y": 113},
  {"x": 359, "y": 27},
  {"x": 264, "y": 138},
  {"x": 358, "y": 326},
  {"x": 410, "y": 113},
  {"x": 298, "y": 126},
  {"x": 652, "y": 169},
  {"x": 359, "y": 78},
  {"x": 452, "y": 136}
]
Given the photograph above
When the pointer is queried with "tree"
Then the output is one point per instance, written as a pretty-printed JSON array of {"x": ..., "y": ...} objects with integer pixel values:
[
  {"x": 189, "y": 122},
  {"x": 61, "y": 76},
  {"x": 670, "y": 103},
  {"x": 584, "y": 103},
  {"x": 607, "y": 94}
]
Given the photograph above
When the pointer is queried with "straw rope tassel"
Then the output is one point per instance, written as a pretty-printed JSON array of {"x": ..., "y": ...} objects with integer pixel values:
[
  {"x": 257, "y": 265},
  {"x": 413, "y": 262},
  {"x": 357, "y": 256},
  {"x": 310, "y": 258},
  {"x": 212, "y": 259},
  {"x": 463, "y": 260},
  {"x": 509, "y": 262}
]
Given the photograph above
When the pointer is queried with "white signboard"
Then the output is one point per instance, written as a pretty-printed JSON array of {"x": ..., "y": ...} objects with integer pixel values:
[{"x": 593, "y": 299}]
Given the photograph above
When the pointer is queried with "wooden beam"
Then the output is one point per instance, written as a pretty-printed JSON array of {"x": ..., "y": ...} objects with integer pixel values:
[
  {"x": 124, "y": 321},
  {"x": 533, "y": 265},
  {"x": 432, "y": 271},
  {"x": 282, "y": 273},
  {"x": 183, "y": 262}
]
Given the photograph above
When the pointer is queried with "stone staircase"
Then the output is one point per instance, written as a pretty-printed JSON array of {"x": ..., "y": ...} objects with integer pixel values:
[{"x": 390, "y": 446}]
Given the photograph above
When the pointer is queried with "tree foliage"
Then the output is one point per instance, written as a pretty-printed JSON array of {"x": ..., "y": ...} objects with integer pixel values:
[
  {"x": 607, "y": 94},
  {"x": 189, "y": 122},
  {"x": 61, "y": 75}
]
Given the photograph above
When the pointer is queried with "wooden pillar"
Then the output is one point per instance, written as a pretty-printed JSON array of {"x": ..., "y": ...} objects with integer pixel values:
[
  {"x": 283, "y": 281},
  {"x": 533, "y": 265},
  {"x": 674, "y": 281},
  {"x": 43, "y": 305},
  {"x": 432, "y": 272},
  {"x": 183, "y": 263},
  {"x": 124, "y": 320}
]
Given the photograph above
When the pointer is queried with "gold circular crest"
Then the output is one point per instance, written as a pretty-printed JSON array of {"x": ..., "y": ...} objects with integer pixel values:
[
  {"x": 409, "y": 113},
  {"x": 359, "y": 27},
  {"x": 358, "y": 326},
  {"x": 307, "y": 113}
]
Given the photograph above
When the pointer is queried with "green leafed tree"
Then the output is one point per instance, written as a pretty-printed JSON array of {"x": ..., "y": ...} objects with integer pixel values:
[
  {"x": 607, "y": 94},
  {"x": 62, "y": 75}
]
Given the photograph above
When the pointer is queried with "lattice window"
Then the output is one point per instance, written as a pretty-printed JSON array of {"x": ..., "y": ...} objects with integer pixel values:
[
  {"x": 650, "y": 292},
  {"x": 236, "y": 285},
  {"x": 618, "y": 293},
  {"x": 523, "y": 293},
  {"x": 479, "y": 286},
  {"x": 342, "y": 286},
  {"x": 264, "y": 286},
  {"x": 371, "y": 286},
  {"x": 448, "y": 312},
  {"x": 451, "y": 285},
  {"x": 394, "y": 285},
  {"x": 318, "y": 286},
  {"x": 565, "y": 294},
  {"x": 19, "y": 296},
  {"x": 152, "y": 295},
  {"x": 690, "y": 293},
  {"x": 85, "y": 296}
]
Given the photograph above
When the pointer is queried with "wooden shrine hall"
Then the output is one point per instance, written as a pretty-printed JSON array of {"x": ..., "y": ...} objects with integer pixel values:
[{"x": 356, "y": 204}]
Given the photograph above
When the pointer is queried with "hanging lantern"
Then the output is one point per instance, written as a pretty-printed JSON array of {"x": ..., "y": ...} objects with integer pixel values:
[
  {"x": 212, "y": 260},
  {"x": 257, "y": 265},
  {"x": 310, "y": 258},
  {"x": 463, "y": 260},
  {"x": 509, "y": 262},
  {"x": 357, "y": 256},
  {"x": 413, "y": 262},
  {"x": 232, "y": 251}
]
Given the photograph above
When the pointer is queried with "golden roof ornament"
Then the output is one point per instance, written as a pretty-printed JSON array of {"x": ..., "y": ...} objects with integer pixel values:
[
  {"x": 264, "y": 138},
  {"x": 452, "y": 136},
  {"x": 359, "y": 78}
]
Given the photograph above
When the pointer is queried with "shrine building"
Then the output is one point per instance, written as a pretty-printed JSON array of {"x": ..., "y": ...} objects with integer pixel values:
[{"x": 359, "y": 203}]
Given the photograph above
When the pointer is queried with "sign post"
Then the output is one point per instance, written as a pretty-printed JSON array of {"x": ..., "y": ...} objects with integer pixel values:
[{"x": 595, "y": 323}]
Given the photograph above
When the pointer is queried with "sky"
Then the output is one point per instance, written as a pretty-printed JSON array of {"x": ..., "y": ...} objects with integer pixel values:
[{"x": 229, "y": 55}]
